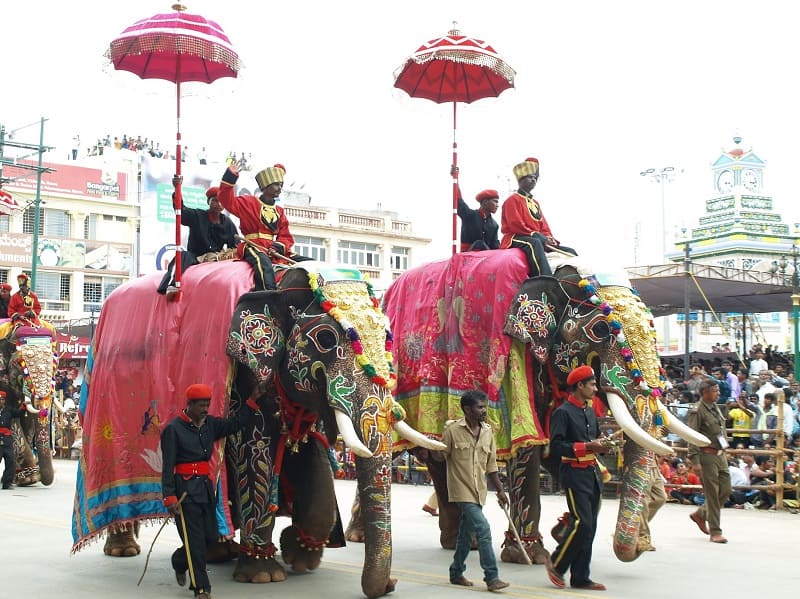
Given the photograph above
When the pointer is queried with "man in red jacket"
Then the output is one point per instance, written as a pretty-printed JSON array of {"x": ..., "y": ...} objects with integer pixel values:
[
  {"x": 263, "y": 224},
  {"x": 524, "y": 226},
  {"x": 24, "y": 303}
]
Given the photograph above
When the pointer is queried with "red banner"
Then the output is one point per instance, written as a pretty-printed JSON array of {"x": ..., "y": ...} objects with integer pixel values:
[
  {"x": 67, "y": 180},
  {"x": 70, "y": 347}
]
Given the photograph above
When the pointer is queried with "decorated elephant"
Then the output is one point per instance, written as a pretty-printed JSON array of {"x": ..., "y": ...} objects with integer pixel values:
[
  {"x": 477, "y": 321},
  {"x": 317, "y": 354},
  {"x": 28, "y": 361}
]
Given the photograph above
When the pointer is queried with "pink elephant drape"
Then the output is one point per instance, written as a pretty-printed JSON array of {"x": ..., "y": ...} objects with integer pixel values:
[{"x": 145, "y": 352}]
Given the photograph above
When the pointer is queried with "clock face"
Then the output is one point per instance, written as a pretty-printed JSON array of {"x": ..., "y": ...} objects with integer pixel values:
[
  {"x": 725, "y": 182},
  {"x": 750, "y": 180}
]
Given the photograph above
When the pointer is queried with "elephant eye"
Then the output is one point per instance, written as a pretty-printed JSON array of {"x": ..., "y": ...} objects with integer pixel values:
[{"x": 324, "y": 338}]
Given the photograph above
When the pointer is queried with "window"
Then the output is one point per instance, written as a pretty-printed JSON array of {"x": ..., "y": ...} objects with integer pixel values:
[
  {"x": 96, "y": 290},
  {"x": 5, "y": 223},
  {"x": 310, "y": 247},
  {"x": 3, "y": 278},
  {"x": 51, "y": 222},
  {"x": 358, "y": 253},
  {"x": 90, "y": 227},
  {"x": 53, "y": 290},
  {"x": 399, "y": 258}
]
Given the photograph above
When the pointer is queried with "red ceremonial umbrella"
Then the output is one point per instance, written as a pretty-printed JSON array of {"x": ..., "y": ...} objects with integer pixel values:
[
  {"x": 177, "y": 47},
  {"x": 454, "y": 68}
]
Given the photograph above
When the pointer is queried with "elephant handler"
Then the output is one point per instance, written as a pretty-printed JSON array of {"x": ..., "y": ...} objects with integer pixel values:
[
  {"x": 575, "y": 438},
  {"x": 524, "y": 226},
  {"x": 263, "y": 224},
  {"x": 471, "y": 456},
  {"x": 7, "y": 414},
  {"x": 209, "y": 231},
  {"x": 187, "y": 444},
  {"x": 706, "y": 418},
  {"x": 478, "y": 227}
]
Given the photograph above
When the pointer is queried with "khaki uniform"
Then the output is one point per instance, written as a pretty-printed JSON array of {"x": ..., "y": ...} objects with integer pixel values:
[{"x": 706, "y": 418}]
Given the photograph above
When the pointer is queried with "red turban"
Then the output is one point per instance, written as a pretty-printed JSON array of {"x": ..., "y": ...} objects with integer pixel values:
[
  {"x": 487, "y": 194},
  {"x": 5, "y": 286},
  {"x": 212, "y": 193},
  {"x": 198, "y": 391},
  {"x": 580, "y": 374}
]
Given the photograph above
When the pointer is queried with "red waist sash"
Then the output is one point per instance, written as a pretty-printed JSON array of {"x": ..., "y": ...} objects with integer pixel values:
[{"x": 190, "y": 468}]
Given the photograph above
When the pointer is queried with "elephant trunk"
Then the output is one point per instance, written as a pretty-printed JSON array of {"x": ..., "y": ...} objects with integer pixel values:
[
  {"x": 45, "y": 454},
  {"x": 374, "y": 485},
  {"x": 636, "y": 481}
]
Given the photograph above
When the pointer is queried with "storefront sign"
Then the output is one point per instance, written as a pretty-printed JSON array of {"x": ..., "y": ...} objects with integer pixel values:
[
  {"x": 68, "y": 180},
  {"x": 70, "y": 347}
]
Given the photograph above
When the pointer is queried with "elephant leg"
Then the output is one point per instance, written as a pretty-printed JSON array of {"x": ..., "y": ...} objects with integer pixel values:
[
  {"x": 526, "y": 507},
  {"x": 310, "y": 493},
  {"x": 449, "y": 513},
  {"x": 27, "y": 470},
  {"x": 355, "y": 530},
  {"x": 253, "y": 452},
  {"x": 122, "y": 542}
]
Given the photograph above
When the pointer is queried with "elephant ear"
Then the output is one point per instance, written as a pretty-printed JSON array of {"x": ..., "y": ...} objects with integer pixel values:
[
  {"x": 256, "y": 338},
  {"x": 533, "y": 319}
]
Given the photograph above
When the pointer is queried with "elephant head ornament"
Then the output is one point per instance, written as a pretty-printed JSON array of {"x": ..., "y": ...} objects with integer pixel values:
[
  {"x": 30, "y": 363},
  {"x": 323, "y": 344},
  {"x": 572, "y": 319}
]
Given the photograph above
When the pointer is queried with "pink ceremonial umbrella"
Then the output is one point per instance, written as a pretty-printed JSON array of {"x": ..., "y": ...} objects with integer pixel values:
[
  {"x": 454, "y": 68},
  {"x": 178, "y": 47}
]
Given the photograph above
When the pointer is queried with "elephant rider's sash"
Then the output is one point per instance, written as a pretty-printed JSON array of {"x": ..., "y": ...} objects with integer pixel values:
[
  {"x": 583, "y": 461},
  {"x": 193, "y": 469},
  {"x": 254, "y": 236},
  {"x": 5, "y": 432}
]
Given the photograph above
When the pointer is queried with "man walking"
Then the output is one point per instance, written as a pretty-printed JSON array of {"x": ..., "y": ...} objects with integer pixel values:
[
  {"x": 471, "y": 456},
  {"x": 705, "y": 418},
  {"x": 187, "y": 444},
  {"x": 575, "y": 438}
]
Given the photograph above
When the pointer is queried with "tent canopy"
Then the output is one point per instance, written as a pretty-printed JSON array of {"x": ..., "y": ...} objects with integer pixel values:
[{"x": 724, "y": 289}]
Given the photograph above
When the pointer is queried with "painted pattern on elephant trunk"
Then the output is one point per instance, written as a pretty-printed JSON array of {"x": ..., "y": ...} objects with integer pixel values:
[{"x": 639, "y": 384}]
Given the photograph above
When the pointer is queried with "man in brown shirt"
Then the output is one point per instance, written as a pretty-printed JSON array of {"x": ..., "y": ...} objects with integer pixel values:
[
  {"x": 471, "y": 456},
  {"x": 705, "y": 418}
]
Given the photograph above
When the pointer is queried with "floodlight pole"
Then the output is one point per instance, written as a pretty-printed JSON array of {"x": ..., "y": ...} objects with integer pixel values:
[
  {"x": 686, "y": 308},
  {"x": 36, "y": 203}
]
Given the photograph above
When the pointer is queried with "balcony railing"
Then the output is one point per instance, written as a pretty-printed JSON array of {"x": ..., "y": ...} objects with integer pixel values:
[{"x": 361, "y": 221}]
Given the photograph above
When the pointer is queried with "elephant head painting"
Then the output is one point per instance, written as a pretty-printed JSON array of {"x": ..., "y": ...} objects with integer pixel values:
[
  {"x": 317, "y": 352},
  {"x": 477, "y": 321},
  {"x": 29, "y": 361}
]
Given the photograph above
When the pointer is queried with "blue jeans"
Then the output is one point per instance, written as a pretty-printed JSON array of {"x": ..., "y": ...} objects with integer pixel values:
[{"x": 473, "y": 520}]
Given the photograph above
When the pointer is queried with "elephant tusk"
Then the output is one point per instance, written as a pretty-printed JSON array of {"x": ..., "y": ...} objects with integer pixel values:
[
  {"x": 58, "y": 404},
  {"x": 626, "y": 422},
  {"x": 350, "y": 437},
  {"x": 30, "y": 408},
  {"x": 674, "y": 424},
  {"x": 417, "y": 438}
]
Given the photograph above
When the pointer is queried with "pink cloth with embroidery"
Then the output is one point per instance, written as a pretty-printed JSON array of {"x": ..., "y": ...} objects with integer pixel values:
[
  {"x": 447, "y": 320},
  {"x": 145, "y": 352}
]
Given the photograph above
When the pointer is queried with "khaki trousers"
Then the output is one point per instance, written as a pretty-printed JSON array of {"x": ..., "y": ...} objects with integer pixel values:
[{"x": 716, "y": 487}]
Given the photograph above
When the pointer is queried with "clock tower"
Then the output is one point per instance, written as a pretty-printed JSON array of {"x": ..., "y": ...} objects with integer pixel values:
[{"x": 738, "y": 171}]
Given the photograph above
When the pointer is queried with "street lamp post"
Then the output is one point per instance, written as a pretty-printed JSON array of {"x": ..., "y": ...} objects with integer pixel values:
[
  {"x": 663, "y": 175},
  {"x": 780, "y": 266}
]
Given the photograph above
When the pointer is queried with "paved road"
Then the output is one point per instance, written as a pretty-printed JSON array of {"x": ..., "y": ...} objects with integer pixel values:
[{"x": 35, "y": 541}]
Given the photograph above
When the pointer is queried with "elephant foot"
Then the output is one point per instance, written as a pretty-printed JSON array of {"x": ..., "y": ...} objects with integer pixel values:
[
  {"x": 354, "y": 533},
  {"x": 300, "y": 551},
  {"x": 258, "y": 570},
  {"x": 121, "y": 544},
  {"x": 224, "y": 551},
  {"x": 512, "y": 553}
]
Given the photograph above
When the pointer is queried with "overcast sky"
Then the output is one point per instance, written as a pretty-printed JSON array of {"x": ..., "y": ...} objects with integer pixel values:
[{"x": 604, "y": 90}]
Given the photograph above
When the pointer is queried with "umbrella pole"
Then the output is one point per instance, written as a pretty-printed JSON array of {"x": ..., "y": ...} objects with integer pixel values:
[
  {"x": 177, "y": 182},
  {"x": 454, "y": 170}
]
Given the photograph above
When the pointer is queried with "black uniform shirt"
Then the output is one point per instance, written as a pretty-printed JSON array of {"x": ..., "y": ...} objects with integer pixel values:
[
  {"x": 205, "y": 236},
  {"x": 183, "y": 443},
  {"x": 476, "y": 226},
  {"x": 7, "y": 414},
  {"x": 571, "y": 424}
]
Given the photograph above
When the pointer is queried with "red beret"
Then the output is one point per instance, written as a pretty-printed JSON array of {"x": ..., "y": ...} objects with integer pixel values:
[
  {"x": 581, "y": 373},
  {"x": 5, "y": 286},
  {"x": 198, "y": 391},
  {"x": 487, "y": 194},
  {"x": 212, "y": 192},
  {"x": 2, "y": 394}
]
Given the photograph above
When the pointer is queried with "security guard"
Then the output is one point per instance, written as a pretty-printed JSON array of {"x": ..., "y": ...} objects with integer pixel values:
[
  {"x": 7, "y": 414},
  {"x": 705, "y": 418},
  {"x": 575, "y": 438}
]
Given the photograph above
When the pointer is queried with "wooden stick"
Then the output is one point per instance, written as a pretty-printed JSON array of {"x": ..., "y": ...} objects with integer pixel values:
[
  {"x": 258, "y": 248},
  {"x": 516, "y": 536},
  {"x": 163, "y": 524}
]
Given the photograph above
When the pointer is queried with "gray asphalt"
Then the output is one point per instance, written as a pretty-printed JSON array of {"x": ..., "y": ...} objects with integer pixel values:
[{"x": 35, "y": 561}]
